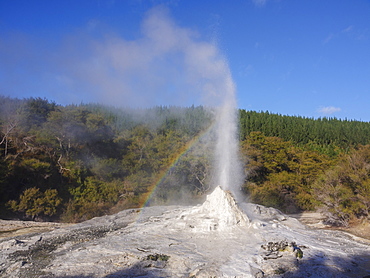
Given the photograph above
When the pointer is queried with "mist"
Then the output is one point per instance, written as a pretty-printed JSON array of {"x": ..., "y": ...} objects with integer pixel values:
[
  {"x": 171, "y": 65},
  {"x": 165, "y": 64}
]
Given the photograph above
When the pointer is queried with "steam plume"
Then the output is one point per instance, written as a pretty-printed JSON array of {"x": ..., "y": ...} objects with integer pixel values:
[{"x": 167, "y": 64}]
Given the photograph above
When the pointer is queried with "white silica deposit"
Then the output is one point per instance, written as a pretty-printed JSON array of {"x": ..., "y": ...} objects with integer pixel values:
[
  {"x": 219, "y": 238},
  {"x": 218, "y": 213}
]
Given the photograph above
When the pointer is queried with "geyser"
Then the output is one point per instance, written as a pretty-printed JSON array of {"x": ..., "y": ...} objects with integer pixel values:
[{"x": 227, "y": 163}]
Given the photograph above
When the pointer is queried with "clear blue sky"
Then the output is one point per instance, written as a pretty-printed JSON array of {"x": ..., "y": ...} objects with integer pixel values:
[{"x": 309, "y": 57}]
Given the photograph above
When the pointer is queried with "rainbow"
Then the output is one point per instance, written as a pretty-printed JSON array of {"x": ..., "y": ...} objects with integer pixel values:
[{"x": 143, "y": 202}]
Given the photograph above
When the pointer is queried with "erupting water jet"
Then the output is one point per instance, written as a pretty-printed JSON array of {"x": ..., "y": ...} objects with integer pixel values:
[{"x": 228, "y": 168}]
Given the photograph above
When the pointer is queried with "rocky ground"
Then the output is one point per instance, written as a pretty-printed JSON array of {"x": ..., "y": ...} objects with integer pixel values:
[
  {"x": 316, "y": 220},
  {"x": 216, "y": 239},
  {"x": 14, "y": 228}
]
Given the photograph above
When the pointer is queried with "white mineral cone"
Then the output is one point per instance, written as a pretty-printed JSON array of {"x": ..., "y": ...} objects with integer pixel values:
[
  {"x": 219, "y": 212},
  {"x": 222, "y": 206}
]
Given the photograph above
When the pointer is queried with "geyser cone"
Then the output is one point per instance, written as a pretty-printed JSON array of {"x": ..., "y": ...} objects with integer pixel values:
[
  {"x": 219, "y": 212},
  {"x": 221, "y": 205}
]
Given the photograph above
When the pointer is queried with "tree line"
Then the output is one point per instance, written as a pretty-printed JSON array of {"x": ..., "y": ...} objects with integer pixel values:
[
  {"x": 328, "y": 135},
  {"x": 74, "y": 162},
  {"x": 302, "y": 164}
]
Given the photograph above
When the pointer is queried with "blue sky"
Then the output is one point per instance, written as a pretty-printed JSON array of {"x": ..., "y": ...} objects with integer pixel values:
[{"x": 309, "y": 57}]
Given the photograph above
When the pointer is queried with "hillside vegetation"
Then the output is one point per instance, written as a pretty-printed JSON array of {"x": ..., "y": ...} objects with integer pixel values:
[{"x": 71, "y": 163}]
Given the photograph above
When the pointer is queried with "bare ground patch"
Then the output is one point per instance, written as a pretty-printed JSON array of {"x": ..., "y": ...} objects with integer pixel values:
[
  {"x": 12, "y": 228},
  {"x": 316, "y": 220}
]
